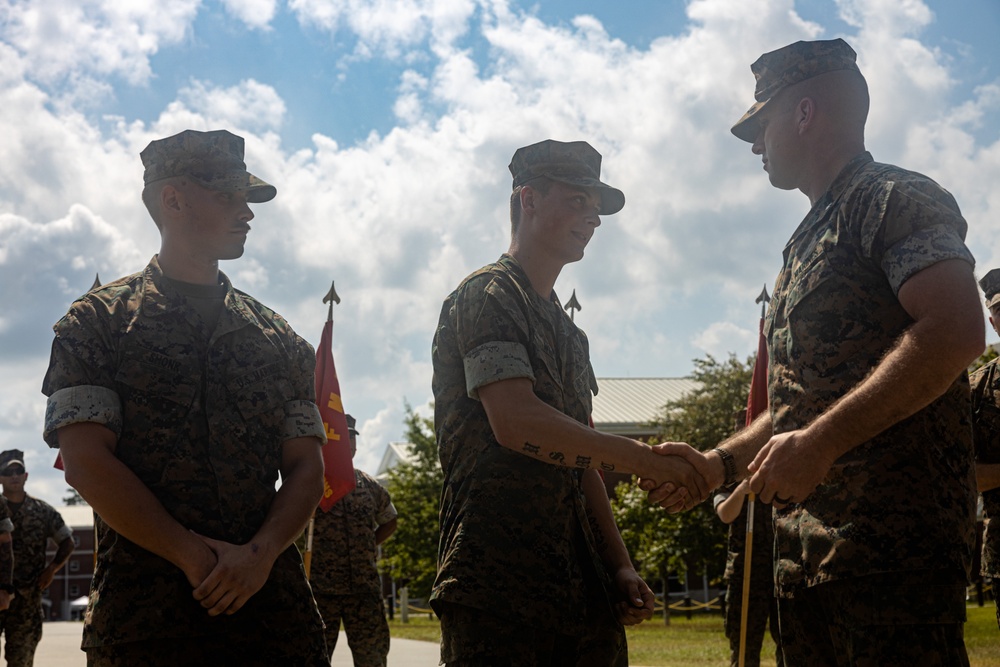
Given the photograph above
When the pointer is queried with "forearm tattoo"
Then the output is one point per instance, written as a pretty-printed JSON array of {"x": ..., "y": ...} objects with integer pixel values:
[
  {"x": 600, "y": 542},
  {"x": 584, "y": 462}
]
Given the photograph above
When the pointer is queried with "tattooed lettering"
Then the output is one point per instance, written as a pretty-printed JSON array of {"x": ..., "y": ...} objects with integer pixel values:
[
  {"x": 531, "y": 449},
  {"x": 600, "y": 542},
  {"x": 558, "y": 457},
  {"x": 582, "y": 461},
  {"x": 607, "y": 467}
]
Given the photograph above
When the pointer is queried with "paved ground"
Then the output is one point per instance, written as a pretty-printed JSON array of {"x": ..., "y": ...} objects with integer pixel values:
[{"x": 60, "y": 647}]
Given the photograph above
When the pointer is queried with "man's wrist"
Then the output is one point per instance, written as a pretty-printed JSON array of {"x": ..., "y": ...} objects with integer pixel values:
[
  {"x": 7, "y": 588},
  {"x": 728, "y": 466}
]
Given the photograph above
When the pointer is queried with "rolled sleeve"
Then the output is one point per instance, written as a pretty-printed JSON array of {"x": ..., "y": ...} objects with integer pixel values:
[
  {"x": 492, "y": 362},
  {"x": 387, "y": 514},
  {"x": 921, "y": 250},
  {"x": 84, "y": 403},
  {"x": 62, "y": 533},
  {"x": 302, "y": 419}
]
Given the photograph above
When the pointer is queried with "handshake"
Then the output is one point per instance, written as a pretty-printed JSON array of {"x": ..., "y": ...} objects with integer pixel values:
[
  {"x": 787, "y": 468},
  {"x": 677, "y": 477}
]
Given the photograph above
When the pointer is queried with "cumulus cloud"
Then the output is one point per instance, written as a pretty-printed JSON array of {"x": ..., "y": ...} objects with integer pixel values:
[
  {"x": 254, "y": 13},
  {"x": 389, "y": 28},
  {"x": 398, "y": 218},
  {"x": 62, "y": 39}
]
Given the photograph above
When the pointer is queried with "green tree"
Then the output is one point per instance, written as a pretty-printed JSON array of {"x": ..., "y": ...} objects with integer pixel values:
[
  {"x": 74, "y": 497},
  {"x": 693, "y": 541},
  {"x": 415, "y": 486},
  {"x": 989, "y": 355}
]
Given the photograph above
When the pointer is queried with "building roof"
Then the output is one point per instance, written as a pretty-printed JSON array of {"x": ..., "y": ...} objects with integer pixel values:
[
  {"x": 627, "y": 406},
  {"x": 77, "y": 516},
  {"x": 395, "y": 453}
]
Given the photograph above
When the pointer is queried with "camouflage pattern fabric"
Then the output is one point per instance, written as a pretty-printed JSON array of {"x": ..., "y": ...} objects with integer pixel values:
[
  {"x": 476, "y": 638},
  {"x": 344, "y": 576},
  {"x": 900, "y": 620},
  {"x": 514, "y": 533},
  {"x": 986, "y": 436},
  {"x": 201, "y": 417},
  {"x": 343, "y": 560},
  {"x": 6, "y": 525},
  {"x": 762, "y": 607},
  {"x": 575, "y": 163},
  {"x": 35, "y": 523},
  {"x": 787, "y": 66},
  {"x": 21, "y": 625},
  {"x": 363, "y": 615},
  {"x": 833, "y": 317},
  {"x": 213, "y": 160},
  {"x": 270, "y": 645}
]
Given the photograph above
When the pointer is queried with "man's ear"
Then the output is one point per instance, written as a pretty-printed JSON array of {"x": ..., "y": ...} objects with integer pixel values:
[
  {"x": 527, "y": 196},
  {"x": 171, "y": 199},
  {"x": 805, "y": 114}
]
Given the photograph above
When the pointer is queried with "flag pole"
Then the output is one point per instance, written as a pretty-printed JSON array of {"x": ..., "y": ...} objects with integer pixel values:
[
  {"x": 307, "y": 556},
  {"x": 331, "y": 298},
  {"x": 754, "y": 407}
]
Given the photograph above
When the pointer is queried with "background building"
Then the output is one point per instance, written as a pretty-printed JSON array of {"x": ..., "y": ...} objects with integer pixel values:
[{"x": 66, "y": 597}]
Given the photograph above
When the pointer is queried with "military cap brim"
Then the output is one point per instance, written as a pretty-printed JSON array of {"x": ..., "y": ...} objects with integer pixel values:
[{"x": 787, "y": 66}]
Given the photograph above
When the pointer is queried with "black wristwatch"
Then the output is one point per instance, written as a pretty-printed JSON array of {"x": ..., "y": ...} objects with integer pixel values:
[
  {"x": 7, "y": 588},
  {"x": 728, "y": 465}
]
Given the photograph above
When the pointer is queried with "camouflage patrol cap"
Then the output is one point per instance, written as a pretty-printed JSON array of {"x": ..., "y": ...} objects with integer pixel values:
[
  {"x": 991, "y": 287},
  {"x": 787, "y": 66},
  {"x": 351, "y": 421},
  {"x": 573, "y": 163},
  {"x": 213, "y": 160},
  {"x": 11, "y": 457}
]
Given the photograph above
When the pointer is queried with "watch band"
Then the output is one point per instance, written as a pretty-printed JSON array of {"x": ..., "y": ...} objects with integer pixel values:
[{"x": 728, "y": 464}]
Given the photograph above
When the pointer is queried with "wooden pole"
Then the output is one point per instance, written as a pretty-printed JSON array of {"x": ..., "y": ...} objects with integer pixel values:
[
  {"x": 748, "y": 554},
  {"x": 307, "y": 556}
]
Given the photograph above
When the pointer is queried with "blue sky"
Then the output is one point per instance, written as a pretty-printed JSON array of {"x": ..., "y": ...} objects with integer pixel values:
[{"x": 387, "y": 127}]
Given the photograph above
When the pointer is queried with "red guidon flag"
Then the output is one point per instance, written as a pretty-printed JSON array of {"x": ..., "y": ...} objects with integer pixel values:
[
  {"x": 338, "y": 469},
  {"x": 757, "y": 400}
]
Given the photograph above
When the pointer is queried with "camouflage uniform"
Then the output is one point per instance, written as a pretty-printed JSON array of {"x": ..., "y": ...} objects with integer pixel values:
[
  {"x": 834, "y": 315},
  {"x": 6, "y": 553},
  {"x": 35, "y": 522},
  {"x": 200, "y": 416},
  {"x": 344, "y": 576},
  {"x": 762, "y": 606},
  {"x": 986, "y": 436},
  {"x": 515, "y": 542}
]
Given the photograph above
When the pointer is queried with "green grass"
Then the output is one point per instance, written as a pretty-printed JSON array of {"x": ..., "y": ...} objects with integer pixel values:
[{"x": 701, "y": 642}]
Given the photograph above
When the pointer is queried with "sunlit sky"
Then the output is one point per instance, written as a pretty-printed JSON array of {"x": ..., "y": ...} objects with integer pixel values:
[{"x": 387, "y": 127}]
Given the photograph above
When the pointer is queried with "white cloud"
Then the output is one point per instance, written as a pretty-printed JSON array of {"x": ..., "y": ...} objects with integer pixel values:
[
  {"x": 721, "y": 338},
  {"x": 255, "y": 14},
  {"x": 250, "y": 106},
  {"x": 59, "y": 40},
  {"x": 399, "y": 218},
  {"x": 389, "y": 27}
]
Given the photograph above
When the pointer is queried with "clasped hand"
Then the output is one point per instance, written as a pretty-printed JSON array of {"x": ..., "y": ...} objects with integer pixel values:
[
  {"x": 677, "y": 476},
  {"x": 237, "y": 573}
]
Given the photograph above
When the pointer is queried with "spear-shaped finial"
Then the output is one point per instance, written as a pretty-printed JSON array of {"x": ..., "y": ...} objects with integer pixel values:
[
  {"x": 331, "y": 298},
  {"x": 572, "y": 306},
  {"x": 763, "y": 300}
]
